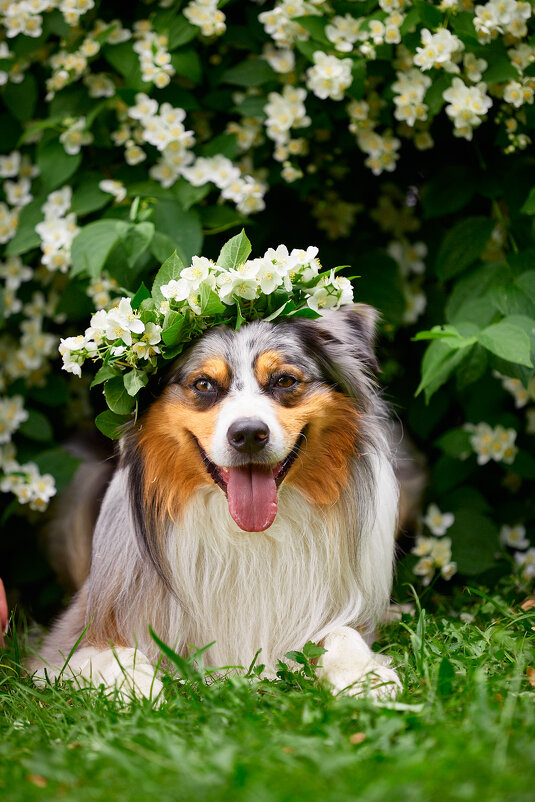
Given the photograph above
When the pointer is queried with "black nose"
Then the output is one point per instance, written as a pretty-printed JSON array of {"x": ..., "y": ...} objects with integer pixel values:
[{"x": 248, "y": 435}]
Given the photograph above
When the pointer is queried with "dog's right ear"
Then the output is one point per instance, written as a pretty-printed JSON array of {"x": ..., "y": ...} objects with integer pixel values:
[{"x": 356, "y": 327}]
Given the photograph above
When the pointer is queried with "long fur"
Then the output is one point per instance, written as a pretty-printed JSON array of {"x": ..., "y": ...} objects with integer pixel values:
[{"x": 202, "y": 579}]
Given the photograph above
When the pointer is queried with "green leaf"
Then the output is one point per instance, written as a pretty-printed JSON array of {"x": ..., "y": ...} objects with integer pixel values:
[
  {"x": 188, "y": 195},
  {"x": 92, "y": 246},
  {"x": 455, "y": 443},
  {"x": 60, "y": 464},
  {"x": 439, "y": 362},
  {"x": 110, "y": 424},
  {"x": 526, "y": 282},
  {"x": 117, "y": 397},
  {"x": 252, "y": 72},
  {"x": 446, "y": 675},
  {"x": 315, "y": 26},
  {"x": 474, "y": 540},
  {"x": 162, "y": 246},
  {"x": 224, "y": 145},
  {"x": 134, "y": 381},
  {"x": 37, "y": 427},
  {"x": 89, "y": 197},
  {"x": 183, "y": 227},
  {"x": 462, "y": 245},
  {"x": 123, "y": 58},
  {"x": 234, "y": 252},
  {"x": 104, "y": 373},
  {"x": 21, "y": 98},
  {"x": 188, "y": 64},
  {"x": 141, "y": 295},
  {"x": 171, "y": 269},
  {"x": 53, "y": 394},
  {"x": 26, "y": 237},
  {"x": 510, "y": 339},
  {"x": 448, "y": 191},
  {"x": 380, "y": 285},
  {"x": 135, "y": 239},
  {"x": 180, "y": 32},
  {"x": 172, "y": 334},
  {"x": 211, "y": 304},
  {"x": 529, "y": 204},
  {"x": 55, "y": 165},
  {"x": 429, "y": 14}
]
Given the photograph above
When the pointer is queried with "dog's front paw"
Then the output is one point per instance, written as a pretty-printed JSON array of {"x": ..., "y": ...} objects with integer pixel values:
[
  {"x": 123, "y": 669},
  {"x": 349, "y": 665}
]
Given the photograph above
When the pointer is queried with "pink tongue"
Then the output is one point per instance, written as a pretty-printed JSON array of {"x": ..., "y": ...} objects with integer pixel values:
[{"x": 252, "y": 497}]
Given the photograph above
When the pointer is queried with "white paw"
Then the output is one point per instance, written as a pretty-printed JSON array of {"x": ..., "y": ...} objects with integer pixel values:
[
  {"x": 123, "y": 670},
  {"x": 349, "y": 665}
]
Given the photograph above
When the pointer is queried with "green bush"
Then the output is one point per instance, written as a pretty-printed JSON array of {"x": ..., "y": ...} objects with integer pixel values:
[{"x": 393, "y": 135}]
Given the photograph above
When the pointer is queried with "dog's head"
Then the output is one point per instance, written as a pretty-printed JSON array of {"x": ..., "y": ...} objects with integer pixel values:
[{"x": 248, "y": 412}]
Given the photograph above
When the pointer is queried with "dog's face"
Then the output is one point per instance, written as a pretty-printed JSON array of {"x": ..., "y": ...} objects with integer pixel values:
[{"x": 250, "y": 410}]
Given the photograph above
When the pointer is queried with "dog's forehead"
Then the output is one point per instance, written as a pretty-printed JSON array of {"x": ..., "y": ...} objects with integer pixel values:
[{"x": 240, "y": 349}]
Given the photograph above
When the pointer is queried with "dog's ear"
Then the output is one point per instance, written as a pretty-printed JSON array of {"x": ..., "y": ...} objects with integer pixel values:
[
  {"x": 351, "y": 329},
  {"x": 342, "y": 344}
]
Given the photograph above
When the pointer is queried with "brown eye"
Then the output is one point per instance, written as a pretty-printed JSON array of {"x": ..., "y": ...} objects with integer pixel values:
[
  {"x": 204, "y": 386},
  {"x": 286, "y": 381}
]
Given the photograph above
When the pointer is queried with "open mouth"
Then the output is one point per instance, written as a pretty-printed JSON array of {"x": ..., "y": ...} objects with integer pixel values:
[{"x": 251, "y": 489}]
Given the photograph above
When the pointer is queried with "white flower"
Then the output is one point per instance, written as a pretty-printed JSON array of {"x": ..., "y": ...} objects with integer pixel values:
[
  {"x": 330, "y": 76},
  {"x": 496, "y": 443},
  {"x": 12, "y": 414},
  {"x": 514, "y": 536},
  {"x": 527, "y": 560},
  {"x": 115, "y": 188},
  {"x": 206, "y": 16},
  {"x": 10, "y": 165},
  {"x": 437, "y": 522},
  {"x": 72, "y": 351},
  {"x": 425, "y": 568},
  {"x": 18, "y": 192},
  {"x": 147, "y": 346},
  {"x": 467, "y": 106},
  {"x": 197, "y": 273},
  {"x": 441, "y": 551},
  {"x": 517, "y": 94},
  {"x": 322, "y": 298},
  {"x": 448, "y": 570},
  {"x": 176, "y": 290},
  {"x": 14, "y": 272},
  {"x": 423, "y": 547},
  {"x": 57, "y": 203},
  {"x": 121, "y": 322},
  {"x": 440, "y": 49},
  {"x": 75, "y": 136},
  {"x": 280, "y": 59}
]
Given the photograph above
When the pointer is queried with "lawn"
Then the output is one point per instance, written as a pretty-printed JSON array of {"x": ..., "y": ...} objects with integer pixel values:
[{"x": 463, "y": 729}]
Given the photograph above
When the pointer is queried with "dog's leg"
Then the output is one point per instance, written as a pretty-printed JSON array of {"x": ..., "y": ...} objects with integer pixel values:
[
  {"x": 121, "y": 669},
  {"x": 350, "y": 665}
]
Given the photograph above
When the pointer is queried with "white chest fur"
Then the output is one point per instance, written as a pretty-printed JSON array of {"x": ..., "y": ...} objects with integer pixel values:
[{"x": 272, "y": 590}]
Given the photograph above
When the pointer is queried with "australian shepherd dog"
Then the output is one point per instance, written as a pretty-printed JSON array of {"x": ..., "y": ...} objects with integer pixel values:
[{"x": 254, "y": 506}]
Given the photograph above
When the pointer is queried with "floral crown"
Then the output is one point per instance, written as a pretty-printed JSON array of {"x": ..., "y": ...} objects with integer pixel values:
[{"x": 140, "y": 334}]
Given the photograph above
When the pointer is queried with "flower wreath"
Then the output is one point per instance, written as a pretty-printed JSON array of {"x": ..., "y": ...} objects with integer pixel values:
[{"x": 135, "y": 338}]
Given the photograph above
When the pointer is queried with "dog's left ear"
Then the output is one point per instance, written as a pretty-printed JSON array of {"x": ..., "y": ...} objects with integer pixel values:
[{"x": 354, "y": 328}]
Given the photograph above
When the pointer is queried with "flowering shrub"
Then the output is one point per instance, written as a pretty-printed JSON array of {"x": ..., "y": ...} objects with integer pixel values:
[{"x": 393, "y": 135}]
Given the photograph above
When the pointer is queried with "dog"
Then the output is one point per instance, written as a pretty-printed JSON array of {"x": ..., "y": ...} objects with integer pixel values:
[{"x": 253, "y": 506}]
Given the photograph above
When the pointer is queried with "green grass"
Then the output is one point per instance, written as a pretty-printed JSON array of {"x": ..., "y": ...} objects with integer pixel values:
[{"x": 463, "y": 729}]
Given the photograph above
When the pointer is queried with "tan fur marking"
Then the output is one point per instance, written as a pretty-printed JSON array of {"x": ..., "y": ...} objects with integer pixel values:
[
  {"x": 173, "y": 465},
  {"x": 273, "y": 362},
  {"x": 213, "y": 368},
  {"x": 321, "y": 471}
]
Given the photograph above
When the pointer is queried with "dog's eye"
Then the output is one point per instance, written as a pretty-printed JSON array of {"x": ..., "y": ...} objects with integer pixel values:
[
  {"x": 285, "y": 381},
  {"x": 204, "y": 386}
]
